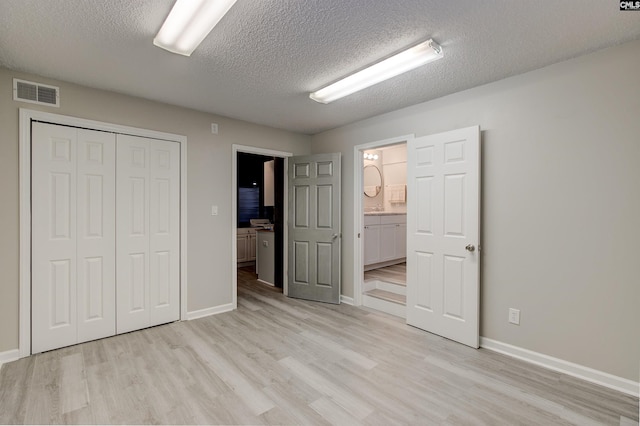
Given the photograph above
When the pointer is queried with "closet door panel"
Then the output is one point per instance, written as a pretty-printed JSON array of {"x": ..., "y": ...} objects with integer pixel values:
[
  {"x": 164, "y": 236},
  {"x": 53, "y": 237},
  {"x": 96, "y": 235},
  {"x": 132, "y": 233}
]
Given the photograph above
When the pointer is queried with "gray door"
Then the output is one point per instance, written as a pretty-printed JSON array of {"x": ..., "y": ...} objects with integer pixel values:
[{"x": 314, "y": 227}]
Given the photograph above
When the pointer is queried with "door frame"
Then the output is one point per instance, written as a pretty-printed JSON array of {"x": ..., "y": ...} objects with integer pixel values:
[
  {"x": 235, "y": 149},
  {"x": 358, "y": 212},
  {"x": 26, "y": 117}
]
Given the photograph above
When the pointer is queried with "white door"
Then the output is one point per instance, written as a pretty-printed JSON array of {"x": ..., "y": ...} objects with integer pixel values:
[
  {"x": 164, "y": 232},
  {"x": 314, "y": 227},
  {"x": 443, "y": 234},
  {"x": 73, "y": 258},
  {"x": 148, "y": 226},
  {"x": 96, "y": 233}
]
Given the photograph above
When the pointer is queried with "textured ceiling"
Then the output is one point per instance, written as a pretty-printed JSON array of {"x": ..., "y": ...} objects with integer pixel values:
[{"x": 265, "y": 56}]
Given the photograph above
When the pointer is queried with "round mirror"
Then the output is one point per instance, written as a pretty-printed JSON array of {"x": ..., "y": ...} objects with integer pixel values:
[{"x": 372, "y": 181}]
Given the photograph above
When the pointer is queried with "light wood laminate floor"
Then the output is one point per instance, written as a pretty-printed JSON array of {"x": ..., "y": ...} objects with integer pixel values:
[
  {"x": 285, "y": 361},
  {"x": 396, "y": 274}
]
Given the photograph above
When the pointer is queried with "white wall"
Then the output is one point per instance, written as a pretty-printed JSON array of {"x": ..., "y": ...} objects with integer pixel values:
[
  {"x": 209, "y": 182},
  {"x": 561, "y": 202},
  {"x": 377, "y": 202},
  {"x": 394, "y": 169}
]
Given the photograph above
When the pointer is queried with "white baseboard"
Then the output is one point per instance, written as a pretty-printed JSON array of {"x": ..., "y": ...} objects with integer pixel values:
[
  {"x": 8, "y": 356},
  {"x": 209, "y": 311},
  {"x": 266, "y": 282},
  {"x": 346, "y": 300},
  {"x": 390, "y": 308},
  {"x": 576, "y": 370}
]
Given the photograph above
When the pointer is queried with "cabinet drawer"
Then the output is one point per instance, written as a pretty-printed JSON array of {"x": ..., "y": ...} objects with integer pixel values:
[
  {"x": 394, "y": 218},
  {"x": 371, "y": 220},
  {"x": 246, "y": 231}
]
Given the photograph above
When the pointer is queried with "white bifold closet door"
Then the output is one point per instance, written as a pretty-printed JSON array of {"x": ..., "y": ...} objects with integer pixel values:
[
  {"x": 105, "y": 234},
  {"x": 73, "y": 236},
  {"x": 148, "y": 232}
]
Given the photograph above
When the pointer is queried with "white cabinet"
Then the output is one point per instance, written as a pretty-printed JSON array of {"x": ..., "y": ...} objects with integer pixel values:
[
  {"x": 265, "y": 262},
  {"x": 252, "y": 246},
  {"x": 246, "y": 245},
  {"x": 385, "y": 239},
  {"x": 371, "y": 242},
  {"x": 388, "y": 240},
  {"x": 242, "y": 249},
  {"x": 401, "y": 240}
]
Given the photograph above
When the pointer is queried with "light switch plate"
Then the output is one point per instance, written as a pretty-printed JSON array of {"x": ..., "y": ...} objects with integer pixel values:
[
  {"x": 214, "y": 210},
  {"x": 514, "y": 316}
]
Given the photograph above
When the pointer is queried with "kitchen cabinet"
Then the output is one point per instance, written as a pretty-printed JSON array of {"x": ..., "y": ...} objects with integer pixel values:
[
  {"x": 246, "y": 245},
  {"x": 265, "y": 262},
  {"x": 385, "y": 239}
]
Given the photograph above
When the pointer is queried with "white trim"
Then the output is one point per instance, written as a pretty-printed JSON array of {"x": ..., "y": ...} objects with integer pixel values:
[
  {"x": 358, "y": 212},
  {"x": 576, "y": 370},
  {"x": 235, "y": 149},
  {"x": 8, "y": 356},
  {"x": 26, "y": 116},
  {"x": 266, "y": 282},
  {"x": 346, "y": 300},
  {"x": 391, "y": 308},
  {"x": 210, "y": 311}
]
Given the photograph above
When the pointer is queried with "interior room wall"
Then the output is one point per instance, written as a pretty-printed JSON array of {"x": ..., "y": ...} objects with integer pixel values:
[
  {"x": 209, "y": 182},
  {"x": 394, "y": 169},
  {"x": 560, "y": 149},
  {"x": 377, "y": 202}
]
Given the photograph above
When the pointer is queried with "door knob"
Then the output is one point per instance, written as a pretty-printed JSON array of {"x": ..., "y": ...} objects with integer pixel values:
[
  {"x": 334, "y": 236},
  {"x": 470, "y": 248}
]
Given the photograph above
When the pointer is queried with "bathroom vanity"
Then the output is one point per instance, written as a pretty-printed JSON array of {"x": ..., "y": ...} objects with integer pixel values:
[{"x": 385, "y": 239}]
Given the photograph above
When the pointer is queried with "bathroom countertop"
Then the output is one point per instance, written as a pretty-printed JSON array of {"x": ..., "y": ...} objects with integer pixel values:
[{"x": 383, "y": 213}]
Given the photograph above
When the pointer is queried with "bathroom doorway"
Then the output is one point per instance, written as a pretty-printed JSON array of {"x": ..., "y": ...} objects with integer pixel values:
[{"x": 380, "y": 213}]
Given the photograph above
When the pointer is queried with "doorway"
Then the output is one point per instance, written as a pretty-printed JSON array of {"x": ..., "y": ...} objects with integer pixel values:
[
  {"x": 380, "y": 215},
  {"x": 384, "y": 197},
  {"x": 258, "y": 217}
]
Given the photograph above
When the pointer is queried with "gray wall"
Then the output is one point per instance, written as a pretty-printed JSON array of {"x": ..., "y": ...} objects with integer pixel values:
[
  {"x": 561, "y": 203},
  {"x": 209, "y": 182}
]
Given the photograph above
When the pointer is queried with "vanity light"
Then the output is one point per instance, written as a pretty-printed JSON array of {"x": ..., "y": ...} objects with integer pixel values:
[
  {"x": 370, "y": 156},
  {"x": 188, "y": 23},
  {"x": 407, "y": 60}
]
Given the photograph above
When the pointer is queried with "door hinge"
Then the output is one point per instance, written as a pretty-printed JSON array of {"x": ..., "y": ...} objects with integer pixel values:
[{"x": 358, "y": 235}]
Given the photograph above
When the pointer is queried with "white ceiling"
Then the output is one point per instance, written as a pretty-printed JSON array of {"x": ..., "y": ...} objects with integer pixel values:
[{"x": 265, "y": 56}]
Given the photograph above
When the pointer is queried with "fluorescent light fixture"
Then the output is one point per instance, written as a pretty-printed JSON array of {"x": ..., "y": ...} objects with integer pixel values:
[
  {"x": 402, "y": 62},
  {"x": 189, "y": 22}
]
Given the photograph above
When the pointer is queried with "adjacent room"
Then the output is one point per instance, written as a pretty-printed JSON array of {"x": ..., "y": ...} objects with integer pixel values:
[{"x": 336, "y": 212}]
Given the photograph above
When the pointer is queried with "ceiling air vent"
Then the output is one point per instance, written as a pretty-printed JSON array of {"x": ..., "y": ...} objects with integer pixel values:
[{"x": 35, "y": 93}]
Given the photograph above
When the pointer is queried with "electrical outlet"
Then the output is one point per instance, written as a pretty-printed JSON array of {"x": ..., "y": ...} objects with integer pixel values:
[
  {"x": 514, "y": 316},
  {"x": 214, "y": 128}
]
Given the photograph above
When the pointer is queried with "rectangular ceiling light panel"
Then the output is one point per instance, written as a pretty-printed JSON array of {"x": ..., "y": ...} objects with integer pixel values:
[
  {"x": 189, "y": 22},
  {"x": 402, "y": 62}
]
